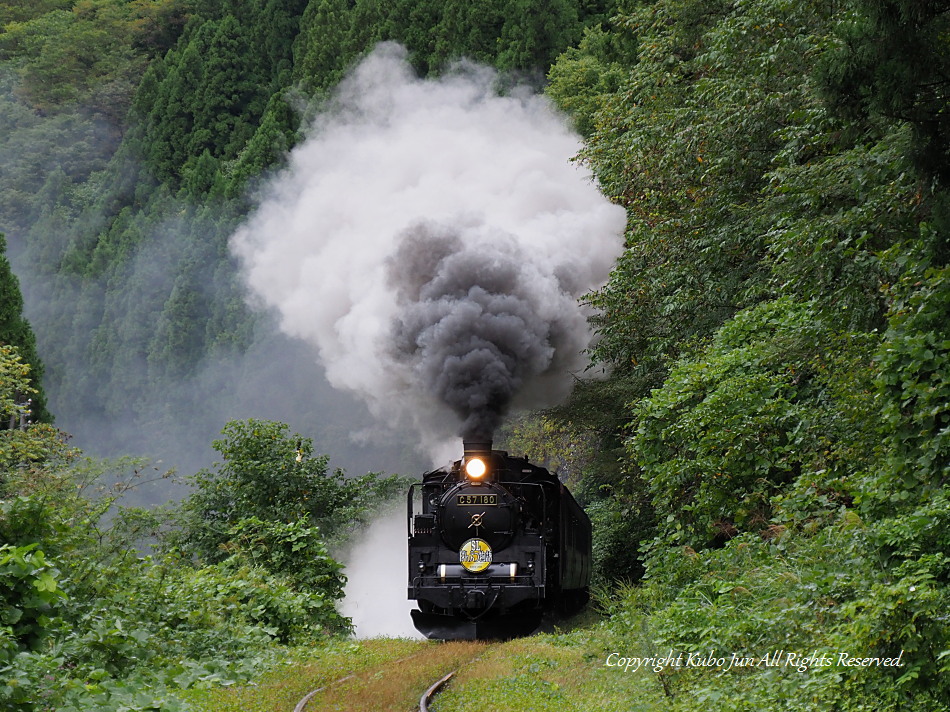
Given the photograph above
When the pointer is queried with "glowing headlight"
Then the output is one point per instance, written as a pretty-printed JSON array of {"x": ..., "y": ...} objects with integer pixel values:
[{"x": 475, "y": 468}]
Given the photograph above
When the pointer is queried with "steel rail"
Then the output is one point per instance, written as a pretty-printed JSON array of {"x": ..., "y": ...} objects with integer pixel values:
[
  {"x": 301, "y": 705},
  {"x": 433, "y": 691},
  {"x": 309, "y": 696}
]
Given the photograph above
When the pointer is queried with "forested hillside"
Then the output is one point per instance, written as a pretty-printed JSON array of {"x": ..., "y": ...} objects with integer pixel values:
[{"x": 766, "y": 461}]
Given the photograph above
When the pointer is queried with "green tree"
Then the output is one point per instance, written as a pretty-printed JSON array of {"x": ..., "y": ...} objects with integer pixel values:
[
  {"x": 170, "y": 119},
  {"x": 534, "y": 33},
  {"x": 706, "y": 123},
  {"x": 17, "y": 11},
  {"x": 321, "y": 50},
  {"x": 468, "y": 30},
  {"x": 894, "y": 61},
  {"x": 268, "y": 148},
  {"x": 772, "y": 402},
  {"x": 201, "y": 176},
  {"x": 22, "y": 447},
  {"x": 91, "y": 51},
  {"x": 14, "y": 383},
  {"x": 229, "y": 98},
  {"x": 270, "y": 475},
  {"x": 584, "y": 77},
  {"x": 15, "y": 331}
]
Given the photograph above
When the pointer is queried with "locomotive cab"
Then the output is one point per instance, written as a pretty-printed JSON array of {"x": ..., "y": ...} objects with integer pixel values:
[{"x": 494, "y": 543}]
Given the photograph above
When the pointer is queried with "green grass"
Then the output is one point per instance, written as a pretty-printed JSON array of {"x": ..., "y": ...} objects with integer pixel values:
[
  {"x": 551, "y": 673},
  {"x": 302, "y": 671},
  {"x": 556, "y": 672}
]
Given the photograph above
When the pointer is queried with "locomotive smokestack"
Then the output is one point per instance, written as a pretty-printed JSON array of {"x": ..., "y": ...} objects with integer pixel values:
[{"x": 481, "y": 446}]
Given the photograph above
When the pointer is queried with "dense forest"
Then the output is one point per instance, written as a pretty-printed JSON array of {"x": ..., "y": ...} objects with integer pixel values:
[{"x": 766, "y": 462}]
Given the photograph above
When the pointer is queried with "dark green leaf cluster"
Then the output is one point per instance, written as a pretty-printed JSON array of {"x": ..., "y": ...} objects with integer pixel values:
[{"x": 891, "y": 61}]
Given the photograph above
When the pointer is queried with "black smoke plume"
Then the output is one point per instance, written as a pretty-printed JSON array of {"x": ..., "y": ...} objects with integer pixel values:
[{"x": 470, "y": 324}]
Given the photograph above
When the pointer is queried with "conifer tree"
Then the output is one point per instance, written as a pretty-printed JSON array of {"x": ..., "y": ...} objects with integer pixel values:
[
  {"x": 894, "y": 62},
  {"x": 320, "y": 50},
  {"x": 16, "y": 331}
]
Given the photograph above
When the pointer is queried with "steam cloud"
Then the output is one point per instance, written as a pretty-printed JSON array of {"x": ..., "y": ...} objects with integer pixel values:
[
  {"x": 376, "y": 581},
  {"x": 431, "y": 240}
]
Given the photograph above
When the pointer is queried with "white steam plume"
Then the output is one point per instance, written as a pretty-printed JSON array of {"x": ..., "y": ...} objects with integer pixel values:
[
  {"x": 375, "y": 568},
  {"x": 431, "y": 240}
]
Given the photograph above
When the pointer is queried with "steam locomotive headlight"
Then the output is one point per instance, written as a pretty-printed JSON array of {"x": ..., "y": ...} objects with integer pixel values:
[{"x": 476, "y": 468}]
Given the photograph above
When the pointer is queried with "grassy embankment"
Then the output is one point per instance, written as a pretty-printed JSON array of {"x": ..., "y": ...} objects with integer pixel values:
[{"x": 560, "y": 672}]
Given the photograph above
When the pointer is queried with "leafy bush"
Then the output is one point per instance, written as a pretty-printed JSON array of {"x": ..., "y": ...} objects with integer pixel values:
[
  {"x": 914, "y": 364},
  {"x": 136, "y": 632},
  {"x": 620, "y": 530},
  {"x": 102, "y": 628},
  {"x": 740, "y": 421},
  {"x": 293, "y": 550},
  {"x": 29, "y": 598}
]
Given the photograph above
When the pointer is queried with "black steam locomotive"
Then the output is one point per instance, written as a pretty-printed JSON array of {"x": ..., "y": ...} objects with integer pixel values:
[{"x": 494, "y": 544}]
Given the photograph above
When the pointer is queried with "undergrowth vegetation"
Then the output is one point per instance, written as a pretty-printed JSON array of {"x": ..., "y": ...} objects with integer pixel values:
[
  {"x": 87, "y": 622},
  {"x": 791, "y": 607}
]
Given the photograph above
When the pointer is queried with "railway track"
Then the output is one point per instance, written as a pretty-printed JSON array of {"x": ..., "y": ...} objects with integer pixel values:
[{"x": 394, "y": 686}]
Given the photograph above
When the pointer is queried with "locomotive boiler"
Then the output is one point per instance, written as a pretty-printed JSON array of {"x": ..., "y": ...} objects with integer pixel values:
[{"x": 495, "y": 544}]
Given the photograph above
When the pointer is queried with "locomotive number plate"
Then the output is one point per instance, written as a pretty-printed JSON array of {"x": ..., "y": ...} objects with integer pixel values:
[{"x": 481, "y": 500}]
